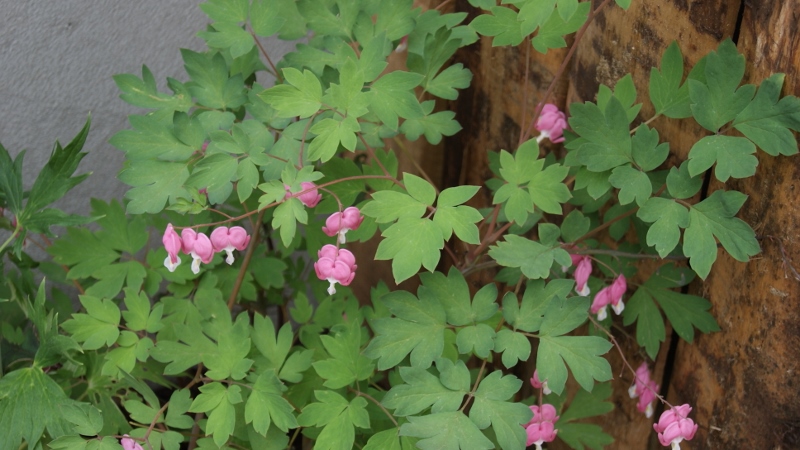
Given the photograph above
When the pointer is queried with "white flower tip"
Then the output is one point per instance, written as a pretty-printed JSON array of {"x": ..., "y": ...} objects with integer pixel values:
[
  {"x": 546, "y": 390},
  {"x": 602, "y": 314},
  {"x": 342, "y": 238},
  {"x": 229, "y": 259},
  {"x": 632, "y": 391},
  {"x": 332, "y": 288},
  {"x": 585, "y": 291},
  {"x": 618, "y": 308},
  {"x": 648, "y": 412},
  {"x": 196, "y": 266}
]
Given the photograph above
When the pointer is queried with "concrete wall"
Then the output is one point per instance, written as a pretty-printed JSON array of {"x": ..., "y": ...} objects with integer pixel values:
[{"x": 56, "y": 63}]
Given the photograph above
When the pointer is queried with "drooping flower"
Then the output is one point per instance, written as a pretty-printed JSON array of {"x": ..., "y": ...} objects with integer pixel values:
[
  {"x": 342, "y": 222},
  {"x": 645, "y": 389},
  {"x": 583, "y": 268},
  {"x": 335, "y": 266},
  {"x": 538, "y": 384},
  {"x": 199, "y": 246},
  {"x": 674, "y": 426},
  {"x": 172, "y": 242},
  {"x": 402, "y": 46},
  {"x": 541, "y": 428},
  {"x": 229, "y": 239},
  {"x": 128, "y": 443},
  {"x": 310, "y": 198},
  {"x": 610, "y": 295},
  {"x": 551, "y": 124}
]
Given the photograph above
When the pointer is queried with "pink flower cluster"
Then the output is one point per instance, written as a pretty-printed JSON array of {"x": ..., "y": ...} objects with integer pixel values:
[
  {"x": 610, "y": 295},
  {"x": 339, "y": 223},
  {"x": 541, "y": 428},
  {"x": 128, "y": 443},
  {"x": 644, "y": 388},
  {"x": 551, "y": 124},
  {"x": 674, "y": 426},
  {"x": 335, "y": 265},
  {"x": 201, "y": 247},
  {"x": 538, "y": 384}
]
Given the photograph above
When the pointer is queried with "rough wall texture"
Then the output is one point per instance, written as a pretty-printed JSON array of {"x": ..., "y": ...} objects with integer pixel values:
[{"x": 56, "y": 65}]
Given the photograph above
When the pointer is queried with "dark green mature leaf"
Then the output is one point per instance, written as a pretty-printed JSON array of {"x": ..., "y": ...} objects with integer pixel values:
[
  {"x": 452, "y": 293},
  {"x": 650, "y": 331},
  {"x": 589, "y": 404},
  {"x": 417, "y": 329},
  {"x": 583, "y": 354},
  {"x": 667, "y": 217},
  {"x": 633, "y": 185},
  {"x": 533, "y": 258},
  {"x": 218, "y": 403},
  {"x": 719, "y": 99},
  {"x": 669, "y": 97},
  {"x": 98, "y": 327},
  {"x": 11, "y": 179},
  {"x": 608, "y": 141},
  {"x": 682, "y": 185},
  {"x": 446, "y": 431},
  {"x": 144, "y": 92},
  {"x": 337, "y": 416},
  {"x": 411, "y": 243},
  {"x": 514, "y": 346},
  {"x": 715, "y": 217},
  {"x": 423, "y": 390},
  {"x": 733, "y": 155},
  {"x": 211, "y": 84},
  {"x": 767, "y": 120},
  {"x": 492, "y": 406},
  {"x": 346, "y": 364},
  {"x": 228, "y": 36},
  {"x": 578, "y": 435},
  {"x": 30, "y": 402},
  {"x": 153, "y": 183}
]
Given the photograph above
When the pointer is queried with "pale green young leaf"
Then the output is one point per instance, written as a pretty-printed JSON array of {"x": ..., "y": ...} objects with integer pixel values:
[
  {"x": 179, "y": 404},
  {"x": 337, "y": 417},
  {"x": 144, "y": 92},
  {"x": 682, "y": 185},
  {"x": 216, "y": 174},
  {"x": 138, "y": 310},
  {"x": 733, "y": 155},
  {"x": 502, "y": 23},
  {"x": 719, "y": 99},
  {"x": 547, "y": 190},
  {"x": 301, "y": 97},
  {"x": 528, "y": 315},
  {"x": 346, "y": 96},
  {"x": 632, "y": 184},
  {"x": 583, "y": 354},
  {"x": 419, "y": 189},
  {"x": 153, "y": 183},
  {"x": 492, "y": 407},
  {"x": 388, "y": 206},
  {"x": 446, "y": 431},
  {"x": 552, "y": 31},
  {"x": 285, "y": 218},
  {"x": 624, "y": 4},
  {"x": 330, "y": 134},
  {"x": 767, "y": 121},
  {"x": 566, "y": 8},
  {"x": 514, "y": 346},
  {"x": 444, "y": 85},
  {"x": 459, "y": 219},
  {"x": 669, "y": 97},
  {"x": 273, "y": 347},
  {"x": 533, "y": 258},
  {"x": 392, "y": 96},
  {"x": 451, "y": 292},
  {"x": 456, "y": 195},
  {"x": 410, "y": 243},
  {"x": 96, "y": 328},
  {"x": 152, "y": 138},
  {"x": 266, "y": 405},
  {"x": 667, "y": 218},
  {"x": 346, "y": 364},
  {"x": 715, "y": 217},
  {"x": 211, "y": 84},
  {"x": 433, "y": 126},
  {"x": 384, "y": 440},
  {"x": 625, "y": 92},
  {"x": 417, "y": 329},
  {"x": 423, "y": 390}
]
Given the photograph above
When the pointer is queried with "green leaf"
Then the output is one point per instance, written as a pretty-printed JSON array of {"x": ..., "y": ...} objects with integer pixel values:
[
  {"x": 459, "y": 219},
  {"x": 534, "y": 14},
  {"x": 578, "y": 435},
  {"x": 392, "y": 96},
  {"x": 96, "y": 328},
  {"x": 715, "y": 217},
  {"x": 502, "y": 24},
  {"x": 492, "y": 406},
  {"x": 229, "y": 36},
  {"x": 285, "y": 218},
  {"x": 226, "y": 10},
  {"x": 682, "y": 185},
  {"x": 717, "y": 101},
  {"x": 410, "y": 243},
  {"x": 476, "y": 338},
  {"x": 583, "y": 354},
  {"x": 574, "y": 226},
  {"x": 144, "y": 92},
  {"x": 589, "y": 404},
  {"x": 551, "y": 33},
  {"x": 547, "y": 190},
  {"x": 384, "y": 440},
  {"x": 30, "y": 403},
  {"x": 767, "y": 120},
  {"x": 11, "y": 179},
  {"x": 423, "y": 390},
  {"x": 445, "y": 431},
  {"x": 452, "y": 293},
  {"x": 337, "y": 417},
  {"x": 266, "y": 405},
  {"x": 667, "y": 217},
  {"x": 419, "y": 189},
  {"x": 447, "y": 81},
  {"x": 650, "y": 332},
  {"x": 733, "y": 155},
  {"x": 646, "y": 152},
  {"x": 388, "y": 206},
  {"x": 528, "y": 315},
  {"x": 301, "y": 97},
  {"x": 514, "y": 346},
  {"x": 632, "y": 184},
  {"x": 608, "y": 141},
  {"x": 433, "y": 126},
  {"x": 346, "y": 364},
  {"x": 266, "y": 18},
  {"x": 534, "y": 259},
  {"x": 417, "y": 329},
  {"x": 218, "y": 402},
  {"x": 211, "y": 84},
  {"x": 330, "y": 134},
  {"x": 669, "y": 97},
  {"x": 154, "y": 183}
]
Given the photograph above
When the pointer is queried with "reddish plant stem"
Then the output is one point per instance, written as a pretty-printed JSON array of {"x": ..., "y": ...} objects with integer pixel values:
[
  {"x": 246, "y": 262},
  {"x": 266, "y": 55},
  {"x": 563, "y": 67}
]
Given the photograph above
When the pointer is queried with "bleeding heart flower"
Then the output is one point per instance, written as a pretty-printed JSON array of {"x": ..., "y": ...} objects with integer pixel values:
[
  {"x": 310, "y": 198},
  {"x": 229, "y": 239},
  {"x": 335, "y": 266},
  {"x": 583, "y": 269},
  {"x": 541, "y": 428},
  {"x": 551, "y": 124},
  {"x": 129, "y": 444},
  {"x": 538, "y": 384},
  {"x": 674, "y": 426},
  {"x": 199, "y": 246},
  {"x": 172, "y": 242},
  {"x": 342, "y": 222}
]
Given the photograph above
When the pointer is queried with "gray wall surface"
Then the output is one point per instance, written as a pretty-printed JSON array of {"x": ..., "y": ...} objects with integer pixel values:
[{"x": 56, "y": 63}]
